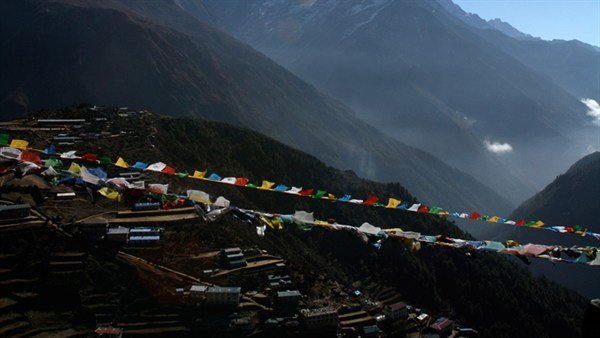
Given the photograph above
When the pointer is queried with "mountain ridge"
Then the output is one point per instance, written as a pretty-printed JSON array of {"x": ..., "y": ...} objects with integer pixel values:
[
  {"x": 414, "y": 70},
  {"x": 148, "y": 65}
]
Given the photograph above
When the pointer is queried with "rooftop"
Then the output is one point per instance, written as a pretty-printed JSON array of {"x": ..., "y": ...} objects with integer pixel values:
[
  {"x": 224, "y": 289},
  {"x": 441, "y": 324},
  {"x": 289, "y": 293}
]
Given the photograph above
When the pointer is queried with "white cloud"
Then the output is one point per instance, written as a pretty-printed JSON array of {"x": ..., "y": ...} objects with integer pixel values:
[
  {"x": 593, "y": 109},
  {"x": 497, "y": 147}
]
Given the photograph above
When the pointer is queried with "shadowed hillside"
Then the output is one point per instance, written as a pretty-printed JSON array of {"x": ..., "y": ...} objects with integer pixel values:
[{"x": 444, "y": 280}]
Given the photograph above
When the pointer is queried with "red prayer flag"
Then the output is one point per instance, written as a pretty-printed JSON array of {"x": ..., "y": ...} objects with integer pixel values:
[
  {"x": 423, "y": 209},
  {"x": 371, "y": 200},
  {"x": 168, "y": 170},
  {"x": 90, "y": 157},
  {"x": 241, "y": 181},
  {"x": 521, "y": 222},
  {"x": 306, "y": 192},
  {"x": 475, "y": 215},
  {"x": 27, "y": 156}
]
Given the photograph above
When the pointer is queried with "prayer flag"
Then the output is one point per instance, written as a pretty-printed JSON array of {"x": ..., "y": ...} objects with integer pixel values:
[
  {"x": 393, "y": 203},
  {"x": 370, "y": 200},
  {"x": 121, "y": 163},
  {"x": 266, "y": 185},
  {"x": 199, "y": 174},
  {"x": 89, "y": 157},
  {"x": 140, "y": 165},
  {"x": 168, "y": 170},
  {"x": 19, "y": 144},
  {"x": 27, "y": 156},
  {"x": 107, "y": 160},
  {"x": 74, "y": 168},
  {"x": 158, "y": 166},
  {"x": 306, "y": 192},
  {"x": 319, "y": 194},
  {"x": 214, "y": 177},
  {"x": 241, "y": 181}
]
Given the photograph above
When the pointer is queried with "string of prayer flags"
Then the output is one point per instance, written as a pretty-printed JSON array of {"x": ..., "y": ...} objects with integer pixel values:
[
  {"x": 366, "y": 232},
  {"x": 13, "y": 152}
]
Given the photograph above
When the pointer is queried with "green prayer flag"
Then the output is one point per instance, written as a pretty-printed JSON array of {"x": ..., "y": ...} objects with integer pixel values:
[
  {"x": 3, "y": 139},
  {"x": 53, "y": 163},
  {"x": 105, "y": 160},
  {"x": 183, "y": 174},
  {"x": 319, "y": 194},
  {"x": 251, "y": 185},
  {"x": 435, "y": 210},
  {"x": 531, "y": 223}
]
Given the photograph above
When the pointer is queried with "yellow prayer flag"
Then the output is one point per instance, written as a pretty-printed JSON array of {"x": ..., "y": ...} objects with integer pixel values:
[
  {"x": 511, "y": 244},
  {"x": 74, "y": 168},
  {"x": 110, "y": 194},
  {"x": 329, "y": 196},
  {"x": 273, "y": 223},
  {"x": 266, "y": 185},
  {"x": 199, "y": 174},
  {"x": 121, "y": 163},
  {"x": 393, "y": 203},
  {"x": 494, "y": 219},
  {"x": 538, "y": 224},
  {"x": 19, "y": 144}
]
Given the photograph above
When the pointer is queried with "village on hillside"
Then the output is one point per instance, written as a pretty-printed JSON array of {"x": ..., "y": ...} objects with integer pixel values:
[{"x": 77, "y": 263}]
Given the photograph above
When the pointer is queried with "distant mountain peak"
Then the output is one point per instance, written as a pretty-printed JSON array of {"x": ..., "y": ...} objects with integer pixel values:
[{"x": 509, "y": 30}]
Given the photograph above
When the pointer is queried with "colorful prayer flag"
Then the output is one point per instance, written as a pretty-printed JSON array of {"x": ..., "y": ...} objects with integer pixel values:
[
  {"x": 199, "y": 174},
  {"x": 393, "y": 203},
  {"x": 19, "y": 144},
  {"x": 266, "y": 185},
  {"x": 121, "y": 163},
  {"x": 370, "y": 200}
]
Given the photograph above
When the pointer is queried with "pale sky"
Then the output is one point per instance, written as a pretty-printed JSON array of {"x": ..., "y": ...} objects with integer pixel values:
[{"x": 548, "y": 19}]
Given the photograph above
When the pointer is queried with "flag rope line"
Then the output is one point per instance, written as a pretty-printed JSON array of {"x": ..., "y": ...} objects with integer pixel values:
[{"x": 372, "y": 201}]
